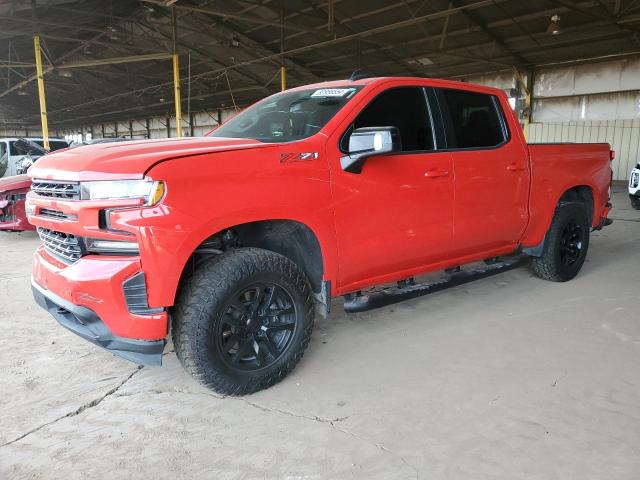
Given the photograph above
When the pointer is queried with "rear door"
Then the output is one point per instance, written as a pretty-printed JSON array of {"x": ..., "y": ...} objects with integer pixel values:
[{"x": 491, "y": 172}]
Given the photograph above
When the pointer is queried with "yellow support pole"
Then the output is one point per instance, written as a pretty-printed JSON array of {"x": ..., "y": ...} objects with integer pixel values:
[
  {"x": 283, "y": 78},
  {"x": 176, "y": 94},
  {"x": 43, "y": 103}
]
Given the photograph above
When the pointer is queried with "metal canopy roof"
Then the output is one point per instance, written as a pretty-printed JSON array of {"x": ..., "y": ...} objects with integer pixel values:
[{"x": 231, "y": 50}]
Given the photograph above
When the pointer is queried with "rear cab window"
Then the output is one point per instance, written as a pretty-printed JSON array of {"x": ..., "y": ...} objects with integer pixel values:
[{"x": 472, "y": 120}]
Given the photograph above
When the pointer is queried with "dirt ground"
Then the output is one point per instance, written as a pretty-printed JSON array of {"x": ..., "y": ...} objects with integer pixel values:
[{"x": 510, "y": 377}]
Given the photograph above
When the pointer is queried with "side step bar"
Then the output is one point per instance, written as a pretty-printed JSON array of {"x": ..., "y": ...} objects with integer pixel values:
[{"x": 408, "y": 289}]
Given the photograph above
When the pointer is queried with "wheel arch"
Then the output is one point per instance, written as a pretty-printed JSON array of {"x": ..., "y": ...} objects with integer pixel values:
[
  {"x": 290, "y": 238},
  {"x": 582, "y": 194},
  {"x": 534, "y": 238}
]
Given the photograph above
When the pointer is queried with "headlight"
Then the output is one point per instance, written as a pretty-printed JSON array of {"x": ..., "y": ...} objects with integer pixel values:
[{"x": 151, "y": 192}]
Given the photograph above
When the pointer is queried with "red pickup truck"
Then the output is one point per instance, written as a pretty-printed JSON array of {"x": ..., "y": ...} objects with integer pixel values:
[{"x": 235, "y": 240}]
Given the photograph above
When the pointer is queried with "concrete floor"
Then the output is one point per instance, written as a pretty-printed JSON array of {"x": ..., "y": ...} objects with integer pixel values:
[{"x": 506, "y": 378}]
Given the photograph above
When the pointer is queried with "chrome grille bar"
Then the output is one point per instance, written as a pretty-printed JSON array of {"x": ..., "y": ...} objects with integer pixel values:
[
  {"x": 56, "y": 189},
  {"x": 63, "y": 246},
  {"x": 47, "y": 212}
]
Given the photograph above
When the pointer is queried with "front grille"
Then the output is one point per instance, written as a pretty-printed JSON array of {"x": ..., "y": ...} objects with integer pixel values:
[
  {"x": 47, "y": 212},
  {"x": 63, "y": 246},
  {"x": 55, "y": 189}
]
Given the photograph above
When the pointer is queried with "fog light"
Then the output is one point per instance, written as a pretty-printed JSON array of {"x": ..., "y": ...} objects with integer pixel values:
[{"x": 114, "y": 247}]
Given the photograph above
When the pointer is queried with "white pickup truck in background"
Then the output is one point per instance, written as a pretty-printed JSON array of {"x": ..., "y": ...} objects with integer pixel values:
[
  {"x": 634, "y": 187},
  {"x": 15, "y": 158}
]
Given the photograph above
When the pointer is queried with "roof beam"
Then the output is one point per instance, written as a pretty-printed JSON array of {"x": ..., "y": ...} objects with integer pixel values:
[
  {"x": 591, "y": 13},
  {"x": 74, "y": 27},
  {"x": 206, "y": 55},
  {"x": 147, "y": 106},
  {"x": 498, "y": 41},
  {"x": 462, "y": 32},
  {"x": 225, "y": 15},
  {"x": 556, "y": 44},
  {"x": 373, "y": 31},
  {"x": 255, "y": 47},
  {"x": 100, "y": 61},
  {"x": 339, "y": 24}
]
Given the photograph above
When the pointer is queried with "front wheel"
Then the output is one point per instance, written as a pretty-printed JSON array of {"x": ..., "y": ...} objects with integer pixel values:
[
  {"x": 243, "y": 321},
  {"x": 566, "y": 244},
  {"x": 635, "y": 202}
]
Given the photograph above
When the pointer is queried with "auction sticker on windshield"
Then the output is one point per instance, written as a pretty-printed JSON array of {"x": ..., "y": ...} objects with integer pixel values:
[{"x": 333, "y": 92}]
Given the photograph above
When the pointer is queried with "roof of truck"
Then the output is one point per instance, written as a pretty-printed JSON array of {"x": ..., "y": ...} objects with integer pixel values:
[{"x": 377, "y": 80}]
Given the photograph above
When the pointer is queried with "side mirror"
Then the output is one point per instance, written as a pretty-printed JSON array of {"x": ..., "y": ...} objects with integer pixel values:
[{"x": 367, "y": 142}]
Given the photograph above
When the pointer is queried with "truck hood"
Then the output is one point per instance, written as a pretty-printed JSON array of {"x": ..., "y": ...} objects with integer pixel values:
[
  {"x": 16, "y": 182},
  {"x": 128, "y": 160}
]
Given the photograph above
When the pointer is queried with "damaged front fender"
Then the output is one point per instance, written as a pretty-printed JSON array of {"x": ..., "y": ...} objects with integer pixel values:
[{"x": 13, "y": 193}]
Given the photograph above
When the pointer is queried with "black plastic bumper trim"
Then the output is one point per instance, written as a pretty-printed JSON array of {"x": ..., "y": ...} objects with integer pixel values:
[
  {"x": 86, "y": 324},
  {"x": 135, "y": 294}
]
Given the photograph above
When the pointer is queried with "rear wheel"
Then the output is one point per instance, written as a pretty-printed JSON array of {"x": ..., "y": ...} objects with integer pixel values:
[
  {"x": 635, "y": 202},
  {"x": 566, "y": 244},
  {"x": 243, "y": 321}
]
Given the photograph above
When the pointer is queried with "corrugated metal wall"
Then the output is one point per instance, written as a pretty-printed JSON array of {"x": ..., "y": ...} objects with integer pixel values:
[
  {"x": 597, "y": 102},
  {"x": 623, "y": 135}
]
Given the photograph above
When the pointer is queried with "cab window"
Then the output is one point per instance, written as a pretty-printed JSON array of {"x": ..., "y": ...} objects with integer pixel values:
[
  {"x": 405, "y": 108},
  {"x": 473, "y": 119}
]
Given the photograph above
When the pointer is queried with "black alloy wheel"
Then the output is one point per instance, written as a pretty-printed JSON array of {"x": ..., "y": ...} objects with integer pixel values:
[
  {"x": 566, "y": 243},
  {"x": 571, "y": 243},
  {"x": 256, "y": 327},
  {"x": 243, "y": 320}
]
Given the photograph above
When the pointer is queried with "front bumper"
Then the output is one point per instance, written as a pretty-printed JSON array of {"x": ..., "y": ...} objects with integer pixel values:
[
  {"x": 96, "y": 283},
  {"x": 86, "y": 323}
]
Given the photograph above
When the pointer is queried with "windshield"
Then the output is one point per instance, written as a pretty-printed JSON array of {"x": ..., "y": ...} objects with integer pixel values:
[{"x": 288, "y": 116}]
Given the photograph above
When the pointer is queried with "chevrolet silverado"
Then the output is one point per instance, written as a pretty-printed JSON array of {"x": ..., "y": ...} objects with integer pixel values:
[{"x": 233, "y": 242}]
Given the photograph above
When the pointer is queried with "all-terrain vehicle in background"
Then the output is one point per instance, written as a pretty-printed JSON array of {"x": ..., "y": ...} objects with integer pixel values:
[
  {"x": 634, "y": 187},
  {"x": 236, "y": 240}
]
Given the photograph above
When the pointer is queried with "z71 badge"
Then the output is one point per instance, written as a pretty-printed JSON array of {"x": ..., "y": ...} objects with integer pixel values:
[{"x": 298, "y": 157}]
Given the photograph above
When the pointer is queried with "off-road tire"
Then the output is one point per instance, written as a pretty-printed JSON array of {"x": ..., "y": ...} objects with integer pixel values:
[
  {"x": 635, "y": 202},
  {"x": 550, "y": 265},
  {"x": 200, "y": 309}
]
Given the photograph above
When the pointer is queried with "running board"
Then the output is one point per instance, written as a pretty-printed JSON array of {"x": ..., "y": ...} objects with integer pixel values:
[{"x": 408, "y": 289}]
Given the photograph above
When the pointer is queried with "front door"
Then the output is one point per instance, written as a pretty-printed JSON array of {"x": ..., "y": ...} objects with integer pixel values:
[{"x": 396, "y": 216}]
